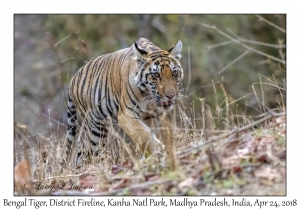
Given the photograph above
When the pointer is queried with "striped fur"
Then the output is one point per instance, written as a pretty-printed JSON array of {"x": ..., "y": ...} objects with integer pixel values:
[{"x": 129, "y": 87}]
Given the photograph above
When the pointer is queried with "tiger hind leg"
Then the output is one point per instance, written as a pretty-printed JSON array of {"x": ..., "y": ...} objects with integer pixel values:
[{"x": 72, "y": 117}]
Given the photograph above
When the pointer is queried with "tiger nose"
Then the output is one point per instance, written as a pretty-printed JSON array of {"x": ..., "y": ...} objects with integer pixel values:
[{"x": 170, "y": 96}]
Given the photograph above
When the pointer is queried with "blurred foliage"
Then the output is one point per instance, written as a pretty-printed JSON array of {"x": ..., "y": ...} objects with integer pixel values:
[
  {"x": 76, "y": 38},
  {"x": 107, "y": 33}
]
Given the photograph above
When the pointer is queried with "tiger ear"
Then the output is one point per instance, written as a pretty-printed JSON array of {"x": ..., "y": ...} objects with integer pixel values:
[
  {"x": 140, "y": 55},
  {"x": 176, "y": 50}
]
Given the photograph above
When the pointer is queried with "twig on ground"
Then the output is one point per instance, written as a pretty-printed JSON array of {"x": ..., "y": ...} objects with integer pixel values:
[{"x": 214, "y": 139}]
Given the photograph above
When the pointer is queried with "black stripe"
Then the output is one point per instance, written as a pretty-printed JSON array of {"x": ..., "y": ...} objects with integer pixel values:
[
  {"x": 142, "y": 72},
  {"x": 127, "y": 107},
  {"x": 137, "y": 99},
  {"x": 102, "y": 115},
  {"x": 72, "y": 130},
  {"x": 85, "y": 68},
  {"x": 108, "y": 104},
  {"x": 112, "y": 94},
  {"x": 116, "y": 106},
  {"x": 78, "y": 96},
  {"x": 99, "y": 135},
  {"x": 107, "y": 89},
  {"x": 71, "y": 114},
  {"x": 133, "y": 110},
  {"x": 147, "y": 118},
  {"x": 93, "y": 143},
  {"x": 132, "y": 101}
]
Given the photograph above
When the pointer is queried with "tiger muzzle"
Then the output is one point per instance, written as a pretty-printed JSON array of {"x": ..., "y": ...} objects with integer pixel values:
[{"x": 167, "y": 104}]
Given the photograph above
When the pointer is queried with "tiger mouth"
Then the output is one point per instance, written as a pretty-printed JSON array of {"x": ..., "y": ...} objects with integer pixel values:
[{"x": 166, "y": 104}]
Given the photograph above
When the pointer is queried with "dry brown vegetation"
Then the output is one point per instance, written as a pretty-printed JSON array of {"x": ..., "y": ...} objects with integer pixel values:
[{"x": 249, "y": 158}]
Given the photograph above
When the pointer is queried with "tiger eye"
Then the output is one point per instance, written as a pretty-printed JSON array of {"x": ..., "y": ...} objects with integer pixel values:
[
  {"x": 175, "y": 74},
  {"x": 156, "y": 74}
]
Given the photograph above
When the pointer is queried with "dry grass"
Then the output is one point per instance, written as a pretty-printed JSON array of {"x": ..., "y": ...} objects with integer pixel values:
[{"x": 222, "y": 153}]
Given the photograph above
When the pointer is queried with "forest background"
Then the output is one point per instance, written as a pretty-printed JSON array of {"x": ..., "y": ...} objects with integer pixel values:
[{"x": 240, "y": 51}]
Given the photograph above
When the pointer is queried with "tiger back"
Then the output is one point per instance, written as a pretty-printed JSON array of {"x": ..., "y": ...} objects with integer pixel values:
[{"x": 130, "y": 88}]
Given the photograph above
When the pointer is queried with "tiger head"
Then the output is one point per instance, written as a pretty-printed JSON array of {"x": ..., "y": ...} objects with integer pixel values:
[{"x": 158, "y": 72}]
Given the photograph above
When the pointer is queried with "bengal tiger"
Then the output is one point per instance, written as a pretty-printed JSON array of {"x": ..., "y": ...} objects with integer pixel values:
[{"x": 129, "y": 88}]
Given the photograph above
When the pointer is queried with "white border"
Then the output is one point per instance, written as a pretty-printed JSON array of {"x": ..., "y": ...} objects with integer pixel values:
[{"x": 152, "y": 6}]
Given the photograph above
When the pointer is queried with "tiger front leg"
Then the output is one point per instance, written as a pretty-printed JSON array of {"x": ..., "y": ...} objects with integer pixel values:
[{"x": 140, "y": 133}]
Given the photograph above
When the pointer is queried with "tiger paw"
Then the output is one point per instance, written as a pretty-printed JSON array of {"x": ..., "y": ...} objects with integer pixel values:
[
  {"x": 153, "y": 146},
  {"x": 159, "y": 144}
]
